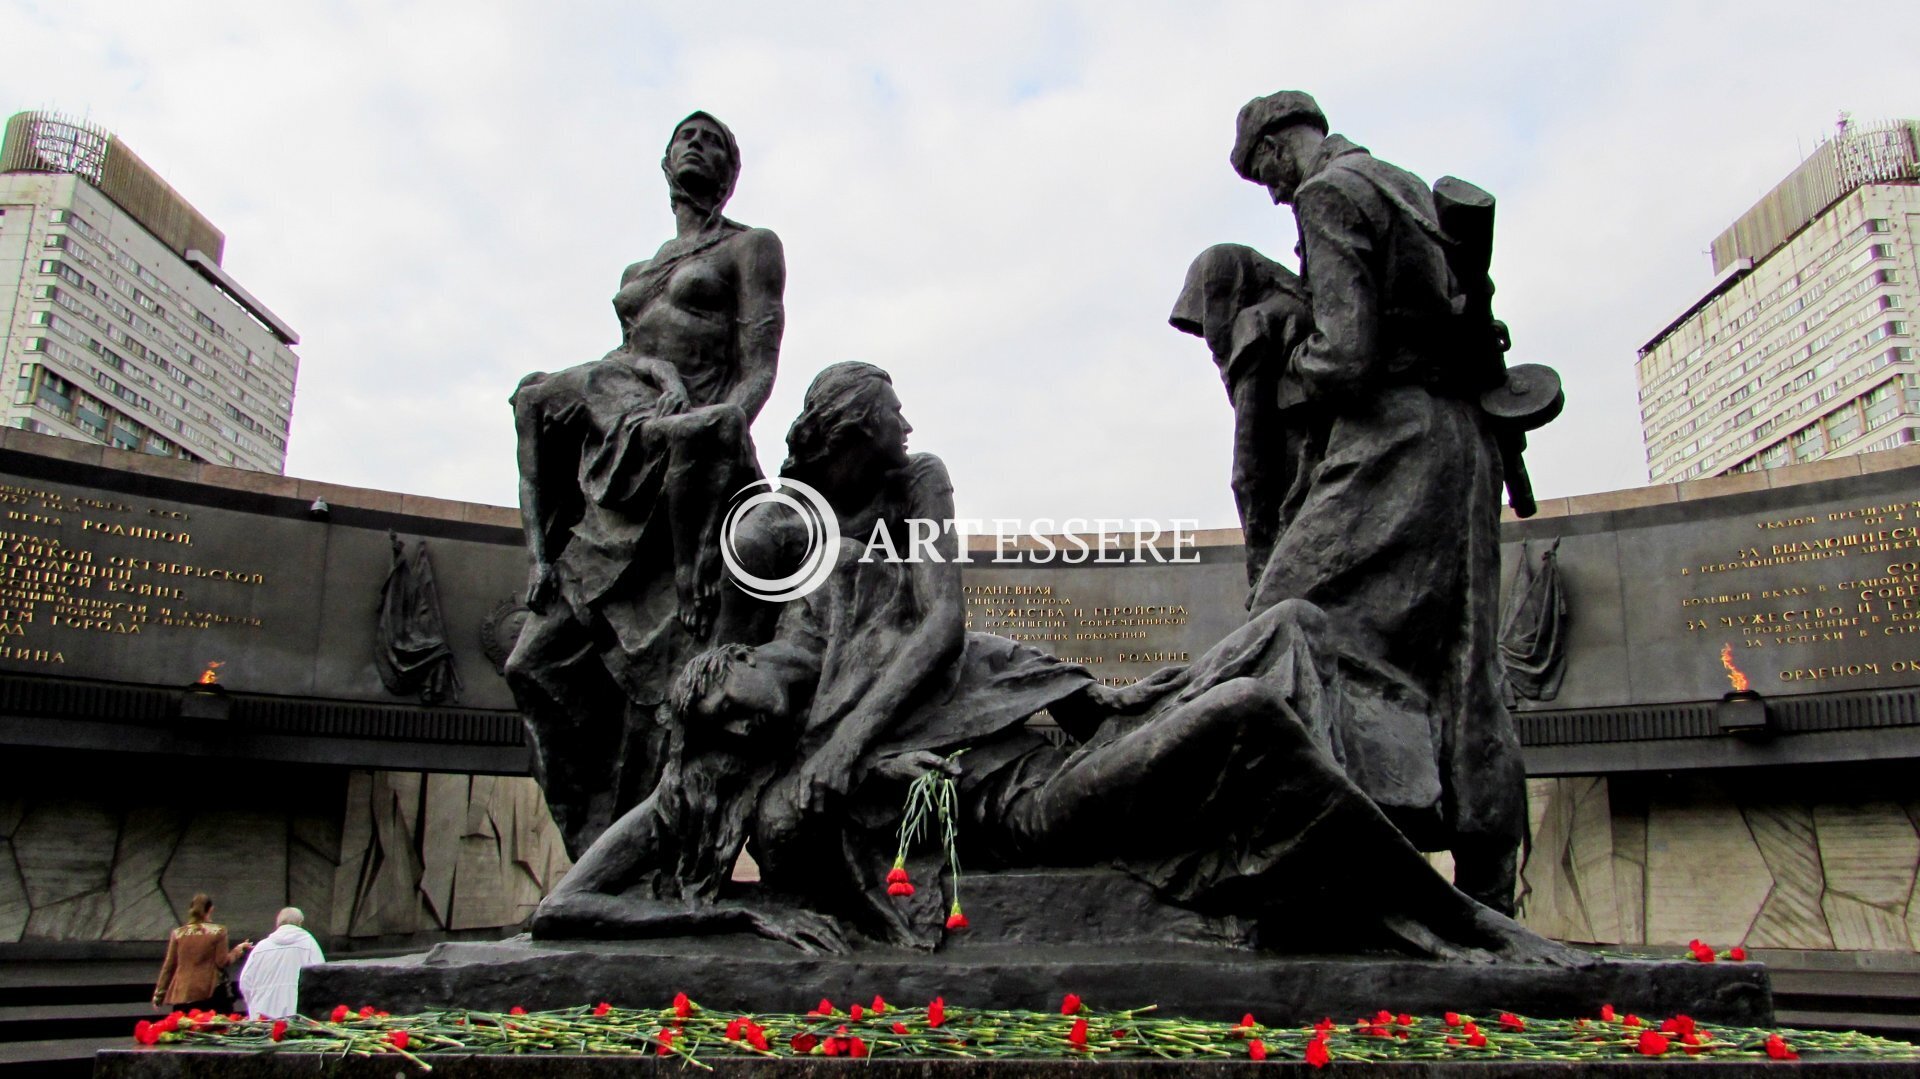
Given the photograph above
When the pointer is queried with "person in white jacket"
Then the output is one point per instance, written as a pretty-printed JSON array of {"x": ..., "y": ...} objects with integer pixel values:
[{"x": 271, "y": 979}]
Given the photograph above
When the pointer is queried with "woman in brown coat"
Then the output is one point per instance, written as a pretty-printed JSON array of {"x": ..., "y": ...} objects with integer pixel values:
[{"x": 196, "y": 954}]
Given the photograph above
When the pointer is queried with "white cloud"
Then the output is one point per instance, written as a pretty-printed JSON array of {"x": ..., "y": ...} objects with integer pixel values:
[{"x": 997, "y": 201}]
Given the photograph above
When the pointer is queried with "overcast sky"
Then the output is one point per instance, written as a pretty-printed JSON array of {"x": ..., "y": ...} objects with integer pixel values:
[{"x": 995, "y": 201}]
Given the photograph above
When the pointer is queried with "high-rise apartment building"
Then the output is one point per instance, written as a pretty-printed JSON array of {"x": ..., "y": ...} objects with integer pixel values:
[
  {"x": 1803, "y": 348},
  {"x": 117, "y": 323}
]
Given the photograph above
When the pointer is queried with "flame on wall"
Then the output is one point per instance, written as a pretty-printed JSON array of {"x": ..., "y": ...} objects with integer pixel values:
[
  {"x": 1734, "y": 673},
  {"x": 211, "y": 675}
]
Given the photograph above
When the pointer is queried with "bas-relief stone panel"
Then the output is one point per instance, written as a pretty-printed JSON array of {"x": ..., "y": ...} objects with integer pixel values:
[
  {"x": 1868, "y": 852},
  {"x": 80, "y": 918},
  {"x": 1590, "y": 857},
  {"x": 13, "y": 896},
  {"x": 1862, "y": 926},
  {"x": 65, "y": 849},
  {"x": 1712, "y": 857},
  {"x": 356, "y": 846},
  {"x": 481, "y": 853},
  {"x": 1705, "y": 876},
  {"x": 446, "y": 814},
  {"x": 1550, "y": 902},
  {"x": 123, "y": 864},
  {"x": 238, "y": 856},
  {"x": 313, "y": 858},
  {"x": 286, "y": 606},
  {"x": 1569, "y": 873},
  {"x": 1596, "y": 624},
  {"x": 1792, "y": 916},
  {"x": 472, "y": 578},
  {"x": 1630, "y": 872},
  {"x": 148, "y": 837}
]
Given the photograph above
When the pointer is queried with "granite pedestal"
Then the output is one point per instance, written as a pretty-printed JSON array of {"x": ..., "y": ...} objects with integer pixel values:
[{"x": 1035, "y": 936}]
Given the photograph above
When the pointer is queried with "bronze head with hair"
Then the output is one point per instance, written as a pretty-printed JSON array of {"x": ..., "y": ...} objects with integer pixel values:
[
  {"x": 702, "y": 163},
  {"x": 850, "y": 416}
]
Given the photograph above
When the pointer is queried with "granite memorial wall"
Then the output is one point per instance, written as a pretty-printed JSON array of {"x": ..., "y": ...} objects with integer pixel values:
[
  {"x": 121, "y": 570},
  {"x": 128, "y": 580}
]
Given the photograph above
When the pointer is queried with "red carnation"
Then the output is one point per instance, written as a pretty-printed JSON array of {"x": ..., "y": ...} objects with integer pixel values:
[
  {"x": 957, "y": 920},
  {"x": 143, "y": 1032},
  {"x": 937, "y": 1012},
  {"x": 1403, "y": 1019},
  {"x": 339, "y": 1013},
  {"x": 397, "y": 1038},
  {"x": 366, "y": 1012},
  {"x": 856, "y": 1012},
  {"x": 825, "y": 1007},
  {"x": 899, "y": 1028},
  {"x": 1070, "y": 1004},
  {"x": 1474, "y": 1037},
  {"x": 1652, "y": 1043},
  {"x": 879, "y": 1005},
  {"x": 1317, "y": 1054},
  {"x": 602, "y": 1008},
  {"x": 736, "y": 1029},
  {"x": 804, "y": 1043},
  {"x": 899, "y": 888},
  {"x": 1778, "y": 1049},
  {"x": 856, "y": 1048},
  {"x": 665, "y": 1037},
  {"x": 898, "y": 874},
  {"x": 682, "y": 1007},
  {"x": 1451, "y": 1040},
  {"x": 1077, "y": 1037},
  {"x": 1607, "y": 1013},
  {"x": 1324, "y": 1027},
  {"x": 279, "y": 1030},
  {"x": 756, "y": 1037},
  {"x": 1737, "y": 954},
  {"x": 1679, "y": 1024},
  {"x": 1452, "y": 1018},
  {"x": 1257, "y": 1049},
  {"x": 1510, "y": 1021},
  {"x": 515, "y": 1010}
]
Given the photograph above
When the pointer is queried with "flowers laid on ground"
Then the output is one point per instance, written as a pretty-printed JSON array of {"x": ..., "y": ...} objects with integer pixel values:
[
  {"x": 1704, "y": 953},
  {"x": 685, "y": 1029}
]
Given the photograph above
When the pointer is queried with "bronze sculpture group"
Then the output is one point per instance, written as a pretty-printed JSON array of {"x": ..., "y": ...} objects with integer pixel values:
[{"x": 1353, "y": 721}]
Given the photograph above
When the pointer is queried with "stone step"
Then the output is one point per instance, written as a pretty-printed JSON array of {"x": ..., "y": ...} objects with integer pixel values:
[
  {"x": 1904, "y": 989},
  {"x": 57, "y": 1058},
  {"x": 42, "y": 1022},
  {"x": 1905, "y": 1026}
]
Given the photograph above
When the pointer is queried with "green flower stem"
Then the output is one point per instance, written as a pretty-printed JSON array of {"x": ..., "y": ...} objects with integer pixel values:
[{"x": 981, "y": 1034}]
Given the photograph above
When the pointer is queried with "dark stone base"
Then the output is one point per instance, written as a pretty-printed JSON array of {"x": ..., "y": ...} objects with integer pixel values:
[
  {"x": 193, "y": 1064},
  {"x": 750, "y": 975}
]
